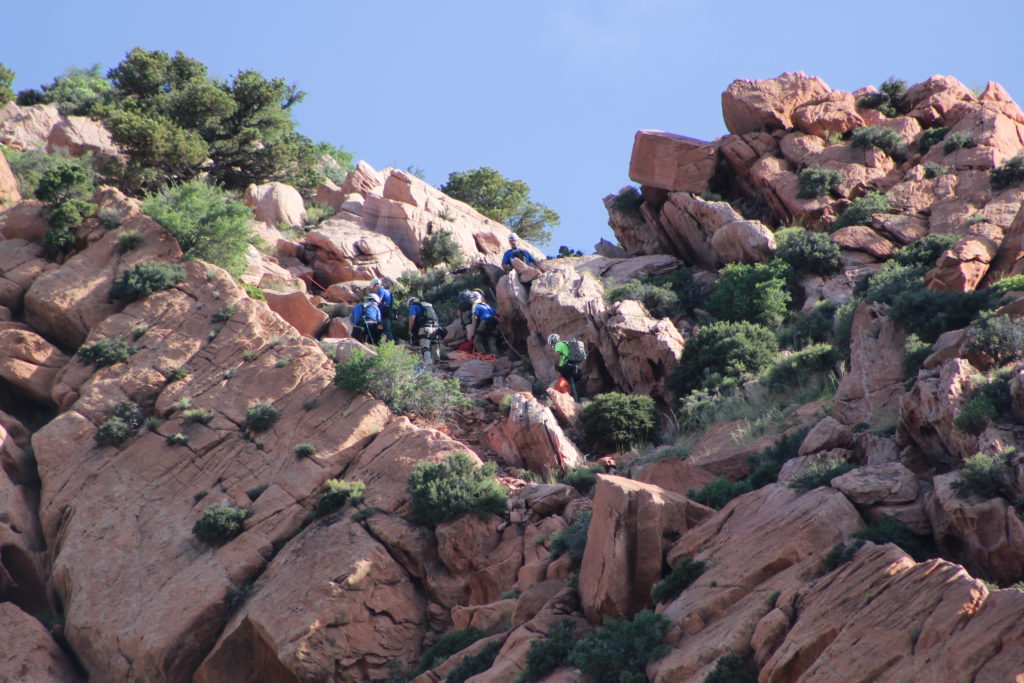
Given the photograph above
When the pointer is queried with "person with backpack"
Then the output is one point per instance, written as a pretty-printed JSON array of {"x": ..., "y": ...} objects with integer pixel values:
[
  {"x": 516, "y": 252},
  {"x": 387, "y": 306},
  {"x": 366, "y": 324},
  {"x": 424, "y": 329},
  {"x": 484, "y": 328},
  {"x": 571, "y": 355}
]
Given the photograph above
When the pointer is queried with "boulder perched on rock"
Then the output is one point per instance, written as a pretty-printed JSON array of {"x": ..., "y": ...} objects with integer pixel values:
[
  {"x": 343, "y": 251},
  {"x": 530, "y": 437},
  {"x": 672, "y": 162},
  {"x": 749, "y": 106},
  {"x": 276, "y": 203}
]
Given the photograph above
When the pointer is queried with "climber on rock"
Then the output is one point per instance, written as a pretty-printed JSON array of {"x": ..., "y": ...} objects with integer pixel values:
[
  {"x": 484, "y": 328},
  {"x": 424, "y": 330},
  {"x": 516, "y": 251},
  {"x": 387, "y": 306},
  {"x": 366, "y": 323},
  {"x": 569, "y": 356}
]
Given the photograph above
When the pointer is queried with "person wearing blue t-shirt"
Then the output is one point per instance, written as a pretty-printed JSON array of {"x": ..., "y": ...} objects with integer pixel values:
[
  {"x": 516, "y": 252},
  {"x": 484, "y": 329},
  {"x": 387, "y": 306},
  {"x": 366, "y": 320}
]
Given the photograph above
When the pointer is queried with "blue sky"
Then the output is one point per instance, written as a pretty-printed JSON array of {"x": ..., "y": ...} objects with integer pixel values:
[{"x": 547, "y": 92}]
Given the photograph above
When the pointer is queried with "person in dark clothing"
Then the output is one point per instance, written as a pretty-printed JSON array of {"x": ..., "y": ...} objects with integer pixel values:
[
  {"x": 484, "y": 329},
  {"x": 566, "y": 367},
  {"x": 387, "y": 306},
  {"x": 516, "y": 252},
  {"x": 424, "y": 329}
]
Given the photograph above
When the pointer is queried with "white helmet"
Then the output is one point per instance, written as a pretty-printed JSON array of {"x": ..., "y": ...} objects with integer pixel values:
[
  {"x": 553, "y": 339},
  {"x": 373, "y": 297},
  {"x": 375, "y": 282},
  {"x": 513, "y": 237},
  {"x": 412, "y": 300}
]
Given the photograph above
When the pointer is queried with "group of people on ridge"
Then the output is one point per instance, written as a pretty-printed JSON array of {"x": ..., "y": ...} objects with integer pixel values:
[{"x": 372, "y": 318}]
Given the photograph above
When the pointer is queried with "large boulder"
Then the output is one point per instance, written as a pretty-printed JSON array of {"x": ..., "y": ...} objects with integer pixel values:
[
  {"x": 8, "y": 184},
  {"x": 346, "y": 251},
  {"x": 749, "y": 106},
  {"x": 962, "y": 268},
  {"x": 834, "y": 113},
  {"x": 872, "y": 389},
  {"x": 672, "y": 162},
  {"x": 744, "y": 242},
  {"x": 276, "y": 203},
  {"x": 530, "y": 437},
  {"x": 297, "y": 310},
  {"x": 25, "y": 220},
  {"x": 80, "y": 135},
  {"x": 30, "y": 653},
  {"x": 28, "y": 362},
  {"x": 632, "y": 526},
  {"x": 689, "y": 222},
  {"x": 27, "y": 127},
  {"x": 21, "y": 263},
  {"x": 928, "y": 414}
]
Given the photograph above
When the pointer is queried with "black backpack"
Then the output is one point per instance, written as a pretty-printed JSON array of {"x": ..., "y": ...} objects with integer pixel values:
[
  {"x": 465, "y": 301},
  {"x": 577, "y": 352},
  {"x": 427, "y": 317}
]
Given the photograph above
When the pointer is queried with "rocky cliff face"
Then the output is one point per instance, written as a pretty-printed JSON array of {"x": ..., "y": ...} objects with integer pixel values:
[{"x": 103, "y": 579}]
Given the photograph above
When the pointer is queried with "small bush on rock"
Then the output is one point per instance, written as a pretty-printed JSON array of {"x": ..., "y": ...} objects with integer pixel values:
[
  {"x": 934, "y": 170},
  {"x": 813, "y": 327},
  {"x": 125, "y": 420},
  {"x": 807, "y": 252},
  {"x": 628, "y": 201},
  {"x": 582, "y": 478},
  {"x": 679, "y": 579},
  {"x": 985, "y": 476},
  {"x": 731, "y": 668},
  {"x": 260, "y": 416},
  {"x": 860, "y": 210},
  {"x": 815, "y": 181},
  {"x": 820, "y": 473},
  {"x": 304, "y": 450},
  {"x": 1011, "y": 173},
  {"x": 928, "y": 313},
  {"x": 915, "y": 353},
  {"x": 998, "y": 336},
  {"x": 617, "y": 421},
  {"x": 887, "y": 99},
  {"x": 618, "y": 651},
  {"x": 955, "y": 141},
  {"x": 660, "y": 302},
  {"x": 885, "y": 139},
  {"x": 764, "y": 470},
  {"x": 794, "y": 369},
  {"x": 219, "y": 524},
  {"x": 440, "y": 247},
  {"x": 446, "y": 646},
  {"x": 474, "y": 664},
  {"x": 572, "y": 539},
  {"x": 756, "y": 293},
  {"x": 547, "y": 654},
  {"x": 129, "y": 240},
  {"x": 722, "y": 355},
  {"x": 890, "y": 530},
  {"x": 444, "y": 491},
  {"x": 105, "y": 352},
  {"x": 841, "y": 554},
  {"x": 338, "y": 493},
  {"x": 931, "y": 137},
  {"x": 145, "y": 278},
  {"x": 925, "y": 251}
]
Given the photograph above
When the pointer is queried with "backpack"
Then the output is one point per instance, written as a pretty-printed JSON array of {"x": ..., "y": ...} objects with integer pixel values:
[
  {"x": 428, "y": 316},
  {"x": 465, "y": 300},
  {"x": 577, "y": 351}
]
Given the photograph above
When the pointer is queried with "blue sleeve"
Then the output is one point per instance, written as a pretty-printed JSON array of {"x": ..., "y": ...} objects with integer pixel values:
[
  {"x": 415, "y": 310},
  {"x": 507, "y": 258},
  {"x": 386, "y": 298},
  {"x": 527, "y": 258},
  {"x": 357, "y": 313}
]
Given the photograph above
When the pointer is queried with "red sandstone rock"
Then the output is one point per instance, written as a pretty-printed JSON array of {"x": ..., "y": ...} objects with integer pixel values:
[
  {"x": 749, "y": 106},
  {"x": 345, "y": 251},
  {"x": 933, "y": 100},
  {"x": 874, "y": 385},
  {"x": 80, "y": 135},
  {"x": 675, "y": 475},
  {"x": 27, "y": 127},
  {"x": 744, "y": 242},
  {"x": 21, "y": 263},
  {"x": 8, "y": 184},
  {"x": 530, "y": 437},
  {"x": 297, "y": 311},
  {"x": 928, "y": 411},
  {"x": 26, "y": 221},
  {"x": 631, "y": 527},
  {"x": 834, "y": 113},
  {"x": 276, "y": 203},
  {"x": 29, "y": 652},
  {"x": 672, "y": 162},
  {"x": 29, "y": 363},
  {"x": 863, "y": 238}
]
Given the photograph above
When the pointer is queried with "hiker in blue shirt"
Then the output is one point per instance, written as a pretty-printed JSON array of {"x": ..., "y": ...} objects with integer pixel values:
[
  {"x": 516, "y": 252},
  {"x": 424, "y": 330},
  {"x": 366, "y": 322},
  {"x": 387, "y": 306},
  {"x": 484, "y": 330}
]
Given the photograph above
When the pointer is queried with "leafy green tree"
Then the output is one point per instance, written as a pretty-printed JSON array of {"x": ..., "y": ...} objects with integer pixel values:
[
  {"x": 755, "y": 293},
  {"x": 6, "y": 80},
  {"x": 504, "y": 200},
  {"x": 441, "y": 247},
  {"x": 66, "y": 187},
  {"x": 617, "y": 421},
  {"x": 722, "y": 354},
  {"x": 810, "y": 252},
  {"x": 207, "y": 223},
  {"x": 75, "y": 92}
]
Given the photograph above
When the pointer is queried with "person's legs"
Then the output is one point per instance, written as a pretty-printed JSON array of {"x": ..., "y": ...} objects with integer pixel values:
[
  {"x": 424, "y": 346},
  {"x": 386, "y": 323}
]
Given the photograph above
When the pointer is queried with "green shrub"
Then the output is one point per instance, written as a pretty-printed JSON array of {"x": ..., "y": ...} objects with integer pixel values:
[
  {"x": 440, "y": 247},
  {"x": 807, "y": 252},
  {"x": 660, "y": 302},
  {"x": 731, "y": 668},
  {"x": 304, "y": 450},
  {"x": 955, "y": 141},
  {"x": 794, "y": 369},
  {"x": 129, "y": 240},
  {"x": 999, "y": 336},
  {"x": 885, "y": 139},
  {"x": 337, "y": 494},
  {"x": 105, "y": 352},
  {"x": 224, "y": 314},
  {"x": 183, "y": 403},
  {"x": 1011, "y": 173},
  {"x": 1014, "y": 283},
  {"x": 888, "y": 99},
  {"x": 111, "y": 219},
  {"x": 889, "y": 530},
  {"x": 628, "y": 201},
  {"x": 29, "y": 166},
  {"x": 679, "y": 579},
  {"x": 891, "y": 280},
  {"x": 925, "y": 251},
  {"x": 841, "y": 554},
  {"x": 815, "y": 181},
  {"x": 572, "y": 539},
  {"x": 66, "y": 179},
  {"x": 860, "y": 210},
  {"x": 915, "y": 352},
  {"x": 176, "y": 439},
  {"x": 930, "y": 137},
  {"x": 928, "y": 313},
  {"x": 219, "y": 524},
  {"x": 820, "y": 473},
  {"x": 582, "y": 478},
  {"x": 256, "y": 491},
  {"x": 690, "y": 294},
  {"x": 618, "y": 651},
  {"x": 756, "y": 294},
  {"x": 547, "y": 654},
  {"x": 114, "y": 431},
  {"x": 260, "y": 416},
  {"x": 444, "y": 491},
  {"x": 985, "y": 476},
  {"x": 764, "y": 470},
  {"x": 253, "y": 292},
  {"x": 397, "y": 376},
  {"x": 934, "y": 170},
  {"x": 445, "y": 647},
  {"x": 989, "y": 400},
  {"x": 722, "y": 355},
  {"x": 813, "y": 327},
  {"x": 363, "y": 513},
  {"x": 438, "y": 286},
  {"x": 177, "y": 374},
  {"x": 200, "y": 415},
  {"x": 145, "y": 278},
  {"x": 474, "y": 664},
  {"x": 617, "y": 421},
  {"x": 208, "y": 224}
]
